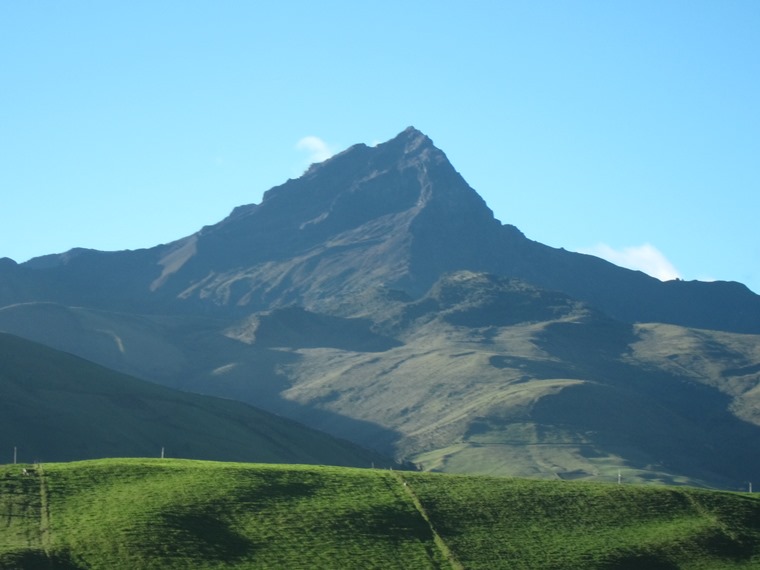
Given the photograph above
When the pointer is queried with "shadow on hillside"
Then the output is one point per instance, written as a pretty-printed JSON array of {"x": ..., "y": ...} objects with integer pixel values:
[
  {"x": 260, "y": 378},
  {"x": 208, "y": 530},
  {"x": 205, "y": 536},
  {"x": 33, "y": 559},
  {"x": 639, "y": 561},
  {"x": 295, "y": 327},
  {"x": 650, "y": 418},
  {"x": 391, "y": 523},
  {"x": 539, "y": 370},
  {"x": 371, "y": 436}
]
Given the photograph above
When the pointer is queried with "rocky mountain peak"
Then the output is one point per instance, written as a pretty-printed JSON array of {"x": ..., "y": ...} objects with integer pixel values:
[
  {"x": 394, "y": 215},
  {"x": 412, "y": 140},
  {"x": 409, "y": 144},
  {"x": 409, "y": 148},
  {"x": 356, "y": 186}
]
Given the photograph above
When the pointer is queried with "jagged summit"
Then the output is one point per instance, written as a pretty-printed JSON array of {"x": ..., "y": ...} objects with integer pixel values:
[
  {"x": 407, "y": 143},
  {"x": 396, "y": 215},
  {"x": 343, "y": 171},
  {"x": 370, "y": 214},
  {"x": 411, "y": 139},
  {"x": 408, "y": 147},
  {"x": 404, "y": 175}
]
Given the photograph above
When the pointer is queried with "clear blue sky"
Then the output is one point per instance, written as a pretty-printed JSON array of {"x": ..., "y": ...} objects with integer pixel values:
[{"x": 630, "y": 128}]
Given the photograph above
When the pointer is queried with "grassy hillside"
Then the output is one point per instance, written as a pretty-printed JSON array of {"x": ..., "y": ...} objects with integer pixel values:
[
  {"x": 135, "y": 513},
  {"x": 481, "y": 375},
  {"x": 577, "y": 397},
  {"x": 58, "y": 407},
  {"x": 514, "y": 523}
]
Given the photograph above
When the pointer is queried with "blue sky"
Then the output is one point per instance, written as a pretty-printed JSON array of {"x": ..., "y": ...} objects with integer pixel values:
[{"x": 630, "y": 128}]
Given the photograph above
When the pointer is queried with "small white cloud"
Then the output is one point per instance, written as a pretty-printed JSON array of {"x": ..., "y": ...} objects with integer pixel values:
[
  {"x": 318, "y": 149},
  {"x": 646, "y": 258}
]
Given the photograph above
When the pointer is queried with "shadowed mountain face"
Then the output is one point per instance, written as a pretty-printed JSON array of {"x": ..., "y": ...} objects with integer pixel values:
[
  {"x": 377, "y": 298},
  {"x": 58, "y": 407},
  {"x": 396, "y": 215}
]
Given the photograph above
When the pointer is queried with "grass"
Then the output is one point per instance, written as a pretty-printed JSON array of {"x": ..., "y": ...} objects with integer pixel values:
[
  {"x": 188, "y": 514},
  {"x": 145, "y": 514},
  {"x": 514, "y": 523}
]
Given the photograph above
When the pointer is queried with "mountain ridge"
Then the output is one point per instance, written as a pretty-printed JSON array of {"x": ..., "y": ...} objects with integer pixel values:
[
  {"x": 397, "y": 214},
  {"x": 378, "y": 298}
]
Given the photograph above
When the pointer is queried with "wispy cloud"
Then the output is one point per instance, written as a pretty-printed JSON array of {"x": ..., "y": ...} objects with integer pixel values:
[
  {"x": 646, "y": 258},
  {"x": 318, "y": 149}
]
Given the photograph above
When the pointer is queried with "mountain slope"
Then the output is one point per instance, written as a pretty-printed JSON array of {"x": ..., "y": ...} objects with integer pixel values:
[
  {"x": 395, "y": 215},
  {"x": 55, "y": 406},
  {"x": 113, "y": 514},
  {"x": 482, "y": 374},
  {"x": 376, "y": 298},
  {"x": 495, "y": 376}
]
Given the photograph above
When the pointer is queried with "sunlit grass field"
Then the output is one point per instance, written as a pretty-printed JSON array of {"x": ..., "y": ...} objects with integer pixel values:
[
  {"x": 134, "y": 514},
  {"x": 521, "y": 523}
]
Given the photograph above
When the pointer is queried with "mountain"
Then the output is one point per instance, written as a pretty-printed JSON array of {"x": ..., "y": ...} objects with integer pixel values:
[
  {"x": 59, "y": 407},
  {"x": 396, "y": 215},
  {"x": 378, "y": 299}
]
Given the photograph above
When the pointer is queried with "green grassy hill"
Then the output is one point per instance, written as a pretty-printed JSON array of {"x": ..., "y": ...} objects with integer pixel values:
[
  {"x": 58, "y": 407},
  {"x": 163, "y": 514}
]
